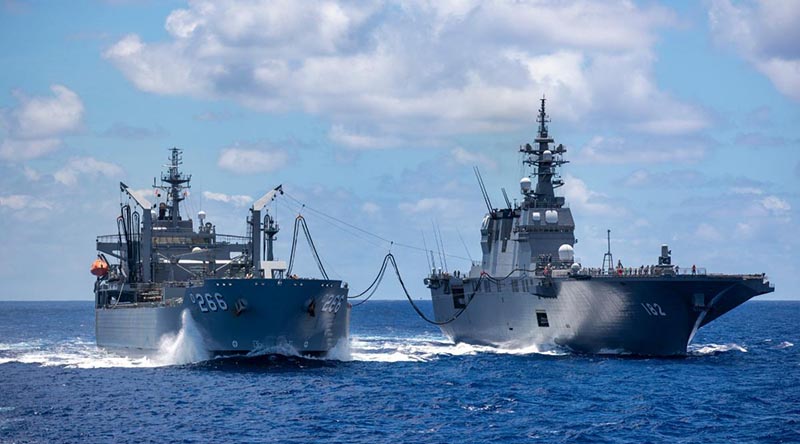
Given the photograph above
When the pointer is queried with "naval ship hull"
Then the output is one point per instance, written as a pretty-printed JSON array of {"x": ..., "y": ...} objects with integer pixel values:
[
  {"x": 655, "y": 316},
  {"x": 234, "y": 316}
]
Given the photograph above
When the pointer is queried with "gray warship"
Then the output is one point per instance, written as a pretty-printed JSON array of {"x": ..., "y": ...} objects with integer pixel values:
[
  {"x": 529, "y": 290},
  {"x": 167, "y": 269}
]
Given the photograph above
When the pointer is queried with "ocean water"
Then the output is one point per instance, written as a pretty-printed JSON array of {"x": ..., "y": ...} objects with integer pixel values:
[{"x": 399, "y": 380}]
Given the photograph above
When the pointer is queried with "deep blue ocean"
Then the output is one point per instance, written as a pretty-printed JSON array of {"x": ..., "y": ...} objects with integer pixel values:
[{"x": 400, "y": 381}]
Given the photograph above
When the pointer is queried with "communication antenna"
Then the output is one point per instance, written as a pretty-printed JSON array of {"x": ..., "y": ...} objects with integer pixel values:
[
  {"x": 608, "y": 255},
  {"x": 483, "y": 189},
  {"x": 465, "y": 245},
  {"x": 505, "y": 196}
]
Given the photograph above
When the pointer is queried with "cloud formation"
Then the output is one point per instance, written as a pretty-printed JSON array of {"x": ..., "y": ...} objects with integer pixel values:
[
  {"x": 766, "y": 34},
  {"x": 35, "y": 126},
  {"x": 86, "y": 166},
  {"x": 419, "y": 67},
  {"x": 249, "y": 161},
  {"x": 238, "y": 200}
]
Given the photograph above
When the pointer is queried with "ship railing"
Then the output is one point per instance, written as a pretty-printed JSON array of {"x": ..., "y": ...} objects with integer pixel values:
[
  {"x": 232, "y": 239},
  {"x": 644, "y": 271},
  {"x": 690, "y": 271},
  {"x": 114, "y": 238}
]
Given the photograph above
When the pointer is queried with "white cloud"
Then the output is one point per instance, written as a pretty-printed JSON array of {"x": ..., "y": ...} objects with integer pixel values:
[
  {"x": 370, "y": 208},
  {"x": 359, "y": 141},
  {"x": 35, "y": 127},
  {"x": 747, "y": 190},
  {"x": 440, "y": 205},
  {"x": 238, "y": 200},
  {"x": 421, "y": 68},
  {"x": 462, "y": 156},
  {"x": 765, "y": 33},
  {"x": 248, "y": 161},
  {"x": 584, "y": 200},
  {"x": 11, "y": 149},
  {"x": 707, "y": 232},
  {"x": 86, "y": 166},
  {"x": 618, "y": 150},
  {"x": 22, "y": 201},
  {"x": 31, "y": 174},
  {"x": 776, "y": 205}
]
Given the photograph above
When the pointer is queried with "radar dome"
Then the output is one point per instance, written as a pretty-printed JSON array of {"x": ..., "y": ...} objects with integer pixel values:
[
  {"x": 575, "y": 268},
  {"x": 547, "y": 156},
  {"x": 201, "y": 215},
  {"x": 566, "y": 253},
  {"x": 525, "y": 184},
  {"x": 196, "y": 249}
]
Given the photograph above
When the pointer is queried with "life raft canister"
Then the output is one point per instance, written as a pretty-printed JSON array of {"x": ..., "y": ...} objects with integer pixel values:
[{"x": 99, "y": 267}]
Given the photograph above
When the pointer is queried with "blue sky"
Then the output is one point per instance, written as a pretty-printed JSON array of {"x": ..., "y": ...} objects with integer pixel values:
[{"x": 681, "y": 121}]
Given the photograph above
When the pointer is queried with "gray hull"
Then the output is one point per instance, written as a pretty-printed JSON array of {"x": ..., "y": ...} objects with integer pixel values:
[
  {"x": 310, "y": 316},
  {"x": 643, "y": 316}
]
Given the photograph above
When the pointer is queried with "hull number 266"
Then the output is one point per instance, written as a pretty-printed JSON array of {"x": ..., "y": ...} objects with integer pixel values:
[{"x": 208, "y": 302}]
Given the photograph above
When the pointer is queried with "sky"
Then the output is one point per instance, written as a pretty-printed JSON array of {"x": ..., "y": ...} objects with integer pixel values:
[{"x": 681, "y": 122}]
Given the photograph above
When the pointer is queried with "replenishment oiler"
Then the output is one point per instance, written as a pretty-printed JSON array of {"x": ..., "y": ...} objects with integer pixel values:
[
  {"x": 167, "y": 272},
  {"x": 528, "y": 289}
]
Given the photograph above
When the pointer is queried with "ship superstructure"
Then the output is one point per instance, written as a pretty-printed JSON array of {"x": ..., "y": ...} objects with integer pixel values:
[
  {"x": 529, "y": 290},
  {"x": 240, "y": 301}
]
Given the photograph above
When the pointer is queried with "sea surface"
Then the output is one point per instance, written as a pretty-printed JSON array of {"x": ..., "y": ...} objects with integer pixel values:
[{"x": 398, "y": 381}]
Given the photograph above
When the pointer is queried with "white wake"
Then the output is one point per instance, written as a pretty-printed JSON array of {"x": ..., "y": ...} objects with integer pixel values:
[{"x": 183, "y": 348}]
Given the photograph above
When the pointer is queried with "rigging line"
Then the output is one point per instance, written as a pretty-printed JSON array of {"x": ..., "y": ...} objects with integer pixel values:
[
  {"x": 337, "y": 220},
  {"x": 376, "y": 280},
  {"x": 495, "y": 279},
  {"x": 389, "y": 241},
  {"x": 444, "y": 255},
  {"x": 314, "y": 251},
  {"x": 350, "y": 232},
  {"x": 417, "y": 309},
  {"x": 464, "y": 244},
  {"x": 425, "y": 244},
  {"x": 294, "y": 249}
]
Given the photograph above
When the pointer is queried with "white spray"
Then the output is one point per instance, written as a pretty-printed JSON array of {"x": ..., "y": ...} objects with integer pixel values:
[{"x": 184, "y": 348}]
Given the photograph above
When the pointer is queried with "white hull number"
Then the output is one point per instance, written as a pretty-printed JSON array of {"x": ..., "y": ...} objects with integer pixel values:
[
  {"x": 653, "y": 309},
  {"x": 208, "y": 302}
]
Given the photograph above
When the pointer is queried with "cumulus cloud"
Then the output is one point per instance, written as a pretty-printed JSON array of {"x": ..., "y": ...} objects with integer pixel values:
[
  {"x": 420, "y": 67},
  {"x": 248, "y": 161},
  {"x": 440, "y": 205},
  {"x": 23, "y": 201},
  {"x": 619, "y": 150},
  {"x": 359, "y": 141},
  {"x": 86, "y": 166},
  {"x": 238, "y": 200},
  {"x": 766, "y": 34},
  {"x": 586, "y": 201},
  {"x": 35, "y": 126},
  {"x": 776, "y": 205},
  {"x": 462, "y": 156}
]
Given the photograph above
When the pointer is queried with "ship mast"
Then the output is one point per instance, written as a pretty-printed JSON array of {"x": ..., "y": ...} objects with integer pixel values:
[
  {"x": 178, "y": 182},
  {"x": 545, "y": 162}
]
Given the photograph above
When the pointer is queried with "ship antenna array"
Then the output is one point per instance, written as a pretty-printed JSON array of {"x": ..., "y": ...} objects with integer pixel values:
[{"x": 483, "y": 189}]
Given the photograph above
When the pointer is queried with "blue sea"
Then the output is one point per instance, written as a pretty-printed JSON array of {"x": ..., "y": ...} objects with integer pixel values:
[{"x": 399, "y": 381}]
